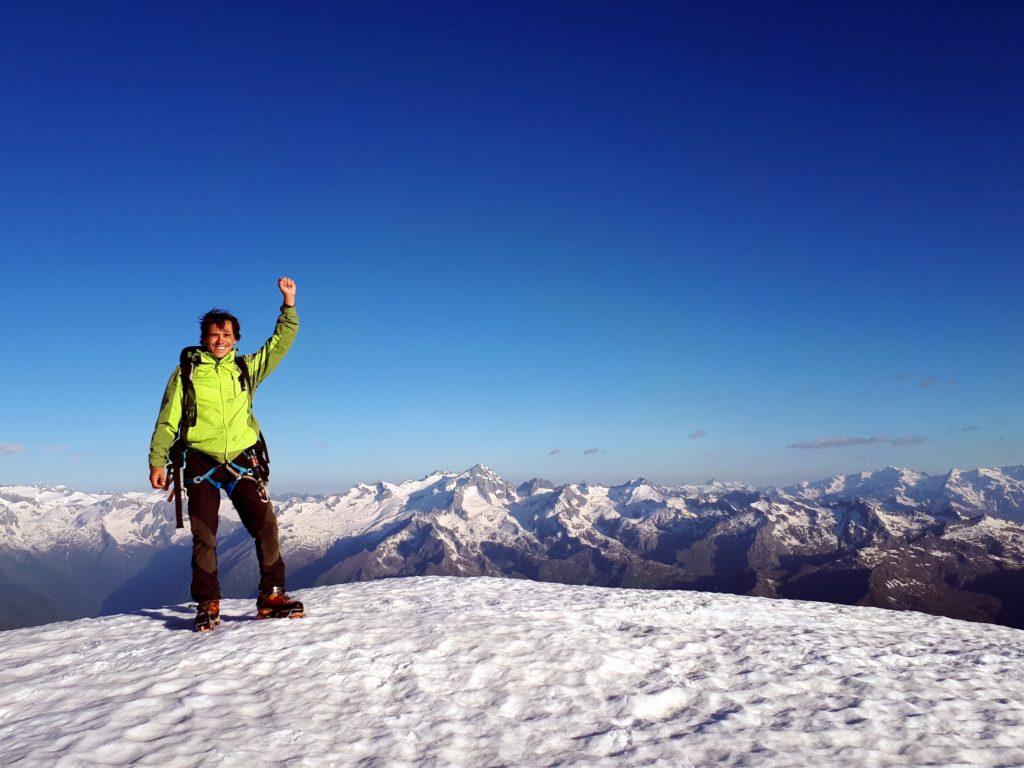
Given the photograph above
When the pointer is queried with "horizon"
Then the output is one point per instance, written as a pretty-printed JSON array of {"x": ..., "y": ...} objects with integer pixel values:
[
  {"x": 517, "y": 482},
  {"x": 583, "y": 241}
]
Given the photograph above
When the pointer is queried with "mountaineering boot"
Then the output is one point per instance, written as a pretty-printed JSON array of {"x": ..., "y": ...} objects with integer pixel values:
[
  {"x": 276, "y": 604},
  {"x": 207, "y": 615}
]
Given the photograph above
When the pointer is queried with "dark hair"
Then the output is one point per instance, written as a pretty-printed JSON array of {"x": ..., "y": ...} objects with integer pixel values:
[{"x": 218, "y": 317}]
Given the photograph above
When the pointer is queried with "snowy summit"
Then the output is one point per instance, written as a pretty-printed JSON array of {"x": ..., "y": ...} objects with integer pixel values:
[{"x": 496, "y": 672}]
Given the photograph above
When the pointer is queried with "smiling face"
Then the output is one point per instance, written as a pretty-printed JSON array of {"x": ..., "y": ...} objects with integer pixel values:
[{"x": 219, "y": 340}]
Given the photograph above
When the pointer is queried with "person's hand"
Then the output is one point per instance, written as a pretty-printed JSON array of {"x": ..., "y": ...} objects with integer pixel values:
[
  {"x": 158, "y": 477},
  {"x": 287, "y": 287}
]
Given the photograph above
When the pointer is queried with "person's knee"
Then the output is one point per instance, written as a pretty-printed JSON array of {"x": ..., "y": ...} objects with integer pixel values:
[
  {"x": 202, "y": 535},
  {"x": 268, "y": 538}
]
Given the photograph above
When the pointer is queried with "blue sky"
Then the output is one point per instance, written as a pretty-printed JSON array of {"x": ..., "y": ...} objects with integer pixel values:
[{"x": 582, "y": 241}]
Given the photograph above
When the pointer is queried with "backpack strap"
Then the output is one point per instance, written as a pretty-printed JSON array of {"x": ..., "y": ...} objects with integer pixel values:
[
  {"x": 186, "y": 360},
  {"x": 243, "y": 376},
  {"x": 261, "y": 451}
]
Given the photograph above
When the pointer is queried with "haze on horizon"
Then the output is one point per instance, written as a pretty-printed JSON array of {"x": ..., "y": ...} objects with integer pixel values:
[{"x": 588, "y": 242}]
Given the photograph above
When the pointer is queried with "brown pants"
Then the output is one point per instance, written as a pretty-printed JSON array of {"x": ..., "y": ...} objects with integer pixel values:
[{"x": 256, "y": 515}]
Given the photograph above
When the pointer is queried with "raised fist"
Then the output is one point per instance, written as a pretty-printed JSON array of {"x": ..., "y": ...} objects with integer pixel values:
[{"x": 287, "y": 287}]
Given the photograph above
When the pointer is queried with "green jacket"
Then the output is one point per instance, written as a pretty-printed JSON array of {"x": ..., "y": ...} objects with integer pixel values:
[{"x": 224, "y": 425}]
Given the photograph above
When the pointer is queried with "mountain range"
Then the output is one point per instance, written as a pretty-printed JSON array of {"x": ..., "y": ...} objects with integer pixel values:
[{"x": 949, "y": 544}]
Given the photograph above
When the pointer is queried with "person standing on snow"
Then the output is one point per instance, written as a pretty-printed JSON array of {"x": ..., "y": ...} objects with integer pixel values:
[{"x": 221, "y": 449}]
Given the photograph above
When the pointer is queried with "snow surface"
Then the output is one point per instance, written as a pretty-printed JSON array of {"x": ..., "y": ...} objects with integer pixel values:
[{"x": 495, "y": 672}]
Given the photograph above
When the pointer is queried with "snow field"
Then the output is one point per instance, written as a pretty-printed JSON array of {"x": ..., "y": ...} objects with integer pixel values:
[{"x": 494, "y": 672}]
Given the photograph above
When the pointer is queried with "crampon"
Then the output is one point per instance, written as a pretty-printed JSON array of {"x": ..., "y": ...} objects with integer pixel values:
[
  {"x": 277, "y": 604},
  {"x": 207, "y": 615}
]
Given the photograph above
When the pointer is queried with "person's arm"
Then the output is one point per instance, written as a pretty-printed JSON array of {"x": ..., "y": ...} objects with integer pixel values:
[
  {"x": 273, "y": 351},
  {"x": 165, "y": 431}
]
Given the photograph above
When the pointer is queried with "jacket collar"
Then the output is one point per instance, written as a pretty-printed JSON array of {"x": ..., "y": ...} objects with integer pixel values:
[{"x": 205, "y": 358}]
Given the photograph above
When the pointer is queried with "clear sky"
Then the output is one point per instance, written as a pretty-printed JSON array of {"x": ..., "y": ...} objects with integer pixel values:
[{"x": 585, "y": 241}]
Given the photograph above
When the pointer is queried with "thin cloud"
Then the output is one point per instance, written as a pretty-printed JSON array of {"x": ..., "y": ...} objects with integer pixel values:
[
  {"x": 8, "y": 449},
  {"x": 698, "y": 434},
  {"x": 554, "y": 451},
  {"x": 843, "y": 441},
  {"x": 908, "y": 440},
  {"x": 931, "y": 381},
  {"x": 321, "y": 445},
  {"x": 838, "y": 442},
  {"x": 591, "y": 451}
]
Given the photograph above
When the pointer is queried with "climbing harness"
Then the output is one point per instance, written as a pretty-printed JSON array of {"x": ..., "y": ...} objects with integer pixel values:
[
  {"x": 237, "y": 472},
  {"x": 231, "y": 467}
]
